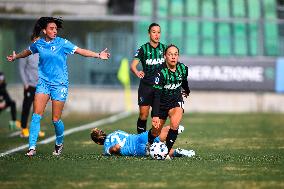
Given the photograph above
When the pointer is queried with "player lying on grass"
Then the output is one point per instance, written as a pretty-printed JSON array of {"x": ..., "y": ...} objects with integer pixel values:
[{"x": 125, "y": 144}]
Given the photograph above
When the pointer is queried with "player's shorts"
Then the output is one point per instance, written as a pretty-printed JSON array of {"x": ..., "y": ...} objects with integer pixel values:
[
  {"x": 142, "y": 140},
  {"x": 56, "y": 92},
  {"x": 145, "y": 94},
  {"x": 165, "y": 108}
]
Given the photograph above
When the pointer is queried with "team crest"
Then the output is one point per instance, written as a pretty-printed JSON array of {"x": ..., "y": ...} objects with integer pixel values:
[
  {"x": 157, "y": 79},
  {"x": 53, "y": 48}
]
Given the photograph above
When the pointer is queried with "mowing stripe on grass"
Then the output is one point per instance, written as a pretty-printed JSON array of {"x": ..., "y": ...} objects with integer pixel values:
[{"x": 73, "y": 130}]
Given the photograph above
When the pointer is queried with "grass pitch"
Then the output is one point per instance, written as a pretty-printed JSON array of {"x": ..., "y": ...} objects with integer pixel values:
[{"x": 233, "y": 151}]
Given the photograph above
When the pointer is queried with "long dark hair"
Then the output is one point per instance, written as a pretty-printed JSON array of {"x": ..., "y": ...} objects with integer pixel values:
[{"x": 42, "y": 24}]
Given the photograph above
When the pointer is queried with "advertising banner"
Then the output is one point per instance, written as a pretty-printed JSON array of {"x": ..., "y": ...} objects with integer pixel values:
[{"x": 231, "y": 74}]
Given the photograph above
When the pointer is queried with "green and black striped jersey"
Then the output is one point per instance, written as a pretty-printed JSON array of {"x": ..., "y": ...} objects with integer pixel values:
[
  {"x": 151, "y": 59},
  {"x": 168, "y": 85}
]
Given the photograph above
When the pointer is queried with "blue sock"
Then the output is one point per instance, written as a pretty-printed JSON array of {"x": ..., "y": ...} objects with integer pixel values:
[
  {"x": 59, "y": 132},
  {"x": 34, "y": 130}
]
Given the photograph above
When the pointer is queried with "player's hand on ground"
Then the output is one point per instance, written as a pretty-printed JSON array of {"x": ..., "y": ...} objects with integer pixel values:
[
  {"x": 156, "y": 122},
  {"x": 104, "y": 54},
  {"x": 140, "y": 74},
  {"x": 11, "y": 57}
]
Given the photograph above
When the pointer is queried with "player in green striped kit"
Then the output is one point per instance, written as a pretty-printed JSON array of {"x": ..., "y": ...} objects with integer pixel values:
[
  {"x": 151, "y": 56},
  {"x": 168, "y": 96}
]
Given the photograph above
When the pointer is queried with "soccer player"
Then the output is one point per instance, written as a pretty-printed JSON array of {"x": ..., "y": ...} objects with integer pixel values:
[
  {"x": 6, "y": 101},
  {"x": 29, "y": 74},
  {"x": 53, "y": 76},
  {"x": 168, "y": 100},
  {"x": 151, "y": 56},
  {"x": 125, "y": 144}
]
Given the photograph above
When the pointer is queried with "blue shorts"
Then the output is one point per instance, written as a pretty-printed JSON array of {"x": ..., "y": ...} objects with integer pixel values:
[
  {"x": 141, "y": 143},
  {"x": 56, "y": 92}
]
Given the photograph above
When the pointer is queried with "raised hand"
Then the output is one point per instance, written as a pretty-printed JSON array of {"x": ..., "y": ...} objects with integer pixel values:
[
  {"x": 11, "y": 57},
  {"x": 104, "y": 54}
]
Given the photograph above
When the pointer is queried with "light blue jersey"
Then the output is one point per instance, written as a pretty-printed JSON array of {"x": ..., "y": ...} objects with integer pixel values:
[
  {"x": 131, "y": 144},
  {"x": 52, "y": 59}
]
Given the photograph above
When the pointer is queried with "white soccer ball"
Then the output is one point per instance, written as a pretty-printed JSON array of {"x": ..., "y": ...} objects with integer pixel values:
[{"x": 158, "y": 151}]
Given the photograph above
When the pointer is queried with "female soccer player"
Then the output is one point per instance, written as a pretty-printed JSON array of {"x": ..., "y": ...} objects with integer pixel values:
[
  {"x": 168, "y": 100},
  {"x": 151, "y": 55},
  {"x": 125, "y": 144},
  {"x": 53, "y": 76}
]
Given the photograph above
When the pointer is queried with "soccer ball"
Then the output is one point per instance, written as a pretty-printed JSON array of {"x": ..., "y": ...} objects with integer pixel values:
[{"x": 158, "y": 151}]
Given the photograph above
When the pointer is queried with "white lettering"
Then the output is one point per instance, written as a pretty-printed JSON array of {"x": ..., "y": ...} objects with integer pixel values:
[
  {"x": 226, "y": 73},
  {"x": 172, "y": 86},
  {"x": 154, "y": 61}
]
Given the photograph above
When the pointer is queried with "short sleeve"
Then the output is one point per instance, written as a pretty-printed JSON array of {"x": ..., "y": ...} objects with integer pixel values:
[
  {"x": 33, "y": 48},
  {"x": 69, "y": 48},
  {"x": 107, "y": 145},
  {"x": 139, "y": 54}
]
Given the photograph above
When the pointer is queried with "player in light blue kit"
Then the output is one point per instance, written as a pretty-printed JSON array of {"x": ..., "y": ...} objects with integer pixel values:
[
  {"x": 125, "y": 144},
  {"x": 53, "y": 76}
]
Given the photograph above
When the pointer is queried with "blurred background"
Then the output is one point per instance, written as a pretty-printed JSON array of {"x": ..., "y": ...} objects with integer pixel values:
[{"x": 233, "y": 48}]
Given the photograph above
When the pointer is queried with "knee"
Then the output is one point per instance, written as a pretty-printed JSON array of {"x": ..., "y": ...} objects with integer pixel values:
[
  {"x": 55, "y": 118},
  {"x": 174, "y": 125}
]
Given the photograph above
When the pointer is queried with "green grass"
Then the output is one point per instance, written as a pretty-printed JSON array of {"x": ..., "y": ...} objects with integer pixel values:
[{"x": 233, "y": 151}]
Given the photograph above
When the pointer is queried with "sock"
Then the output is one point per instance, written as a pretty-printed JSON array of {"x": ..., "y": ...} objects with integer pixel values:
[
  {"x": 59, "y": 132},
  {"x": 171, "y": 138},
  {"x": 141, "y": 125},
  {"x": 150, "y": 137},
  {"x": 34, "y": 129}
]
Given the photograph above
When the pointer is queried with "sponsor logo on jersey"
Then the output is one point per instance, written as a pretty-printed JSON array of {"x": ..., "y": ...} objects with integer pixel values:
[
  {"x": 53, "y": 48},
  {"x": 172, "y": 86},
  {"x": 155, "y": 61}
]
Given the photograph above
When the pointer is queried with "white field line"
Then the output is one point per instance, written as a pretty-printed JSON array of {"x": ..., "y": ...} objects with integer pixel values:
[{"x": 73, "y": 130}]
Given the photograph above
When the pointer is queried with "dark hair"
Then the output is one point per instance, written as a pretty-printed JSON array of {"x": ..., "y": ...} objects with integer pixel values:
[
  {"x": 170, "y": 45},
  {"x": 98, "y": 136},
  {"x": 152, "y": 25},
  {"x": 42, "y": 24}
]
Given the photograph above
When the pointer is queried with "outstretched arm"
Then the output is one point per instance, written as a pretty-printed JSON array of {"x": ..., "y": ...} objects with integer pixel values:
[
  {"x": 87, "y": 53},
  {"x": 22, "y": 54}
]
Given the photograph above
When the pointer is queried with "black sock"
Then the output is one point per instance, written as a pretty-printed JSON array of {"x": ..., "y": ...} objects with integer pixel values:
[
  {"x": 141, "y": 125},
  {"x": 150, "y": 137},
  {"x": 171, "y": 138}
]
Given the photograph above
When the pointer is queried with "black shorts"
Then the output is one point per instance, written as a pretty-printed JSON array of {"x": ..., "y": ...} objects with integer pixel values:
[
  {"x": 165, "y": 108},
  {"x": 145, "y": 94}
]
